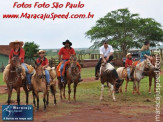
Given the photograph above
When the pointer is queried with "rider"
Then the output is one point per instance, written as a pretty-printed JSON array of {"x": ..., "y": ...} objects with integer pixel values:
[
  {"x": 64, "y": 55},
  {"x": 145, "y": 52},
  {"x": 17, "y": 50},
  {"x": 128, "y": 64},
  {"x": 44, "y": 65},
  {"x": 106, "y": 54}
]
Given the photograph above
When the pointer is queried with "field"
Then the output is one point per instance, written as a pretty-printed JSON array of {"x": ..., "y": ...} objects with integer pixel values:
[{"x": 88, "y": 107}]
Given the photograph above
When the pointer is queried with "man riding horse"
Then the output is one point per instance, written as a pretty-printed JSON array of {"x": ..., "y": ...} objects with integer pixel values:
[
  {"x": 106, "y": 55},
  {"x": 44, "y": 63},
  {"x": 17, "y": 50},
  {"x": 64, "y": 55}
]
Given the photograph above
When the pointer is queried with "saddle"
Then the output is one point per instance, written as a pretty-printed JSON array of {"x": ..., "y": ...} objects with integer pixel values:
[
  {"x": 65, "y": 67},
  {"x": 125, "y": 74}
]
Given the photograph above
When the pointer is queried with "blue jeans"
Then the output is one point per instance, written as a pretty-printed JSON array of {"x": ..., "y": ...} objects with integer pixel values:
[
  {"x": 47, "y": 76},
  {"x": 27, "y": 73},
  {"x": 142, "y": 59},
  {"x": 61, "y": 70},
  {"x": 128, "y": 72}
]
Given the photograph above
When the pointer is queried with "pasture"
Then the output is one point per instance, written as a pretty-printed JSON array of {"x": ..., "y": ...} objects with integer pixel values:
[{"x": 88, "y": 107}]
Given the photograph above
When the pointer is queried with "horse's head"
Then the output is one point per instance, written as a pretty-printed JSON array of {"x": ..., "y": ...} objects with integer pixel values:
[
  {"x": 149, "y": 65},
  {"x": 118, "y": 84},
  {"x": 16, "y": 64},
  {"x": 38, "y": 68},
  {"x": 73, "y": 61}
]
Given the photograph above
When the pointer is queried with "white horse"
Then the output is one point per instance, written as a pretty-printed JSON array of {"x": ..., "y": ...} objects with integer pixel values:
[{"x": 137, "y": 75}]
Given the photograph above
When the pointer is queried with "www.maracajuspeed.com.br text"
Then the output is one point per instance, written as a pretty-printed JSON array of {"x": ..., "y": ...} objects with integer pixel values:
[{"x": 45, "y": 16}]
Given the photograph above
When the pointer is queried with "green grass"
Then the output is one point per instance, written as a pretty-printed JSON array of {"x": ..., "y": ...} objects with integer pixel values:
[
  {"x": 88, "y": 72},
  {"x": 1, "y": 79}
]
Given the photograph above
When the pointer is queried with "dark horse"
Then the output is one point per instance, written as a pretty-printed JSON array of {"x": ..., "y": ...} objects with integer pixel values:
[
  {"x": 71, "y": 76},
  {"x": 15, "y": 81},
  {"x": 107, "y": 75},
  {"x": 39, "y": 84}
]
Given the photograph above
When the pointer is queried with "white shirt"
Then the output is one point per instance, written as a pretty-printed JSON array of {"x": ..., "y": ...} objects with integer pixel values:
[{"x": 105, "y": 51}]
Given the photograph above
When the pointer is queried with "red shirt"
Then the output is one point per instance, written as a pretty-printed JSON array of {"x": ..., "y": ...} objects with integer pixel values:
[
  {"x": 66, "y": 53},
  {"x": 20, "y": 53},
  {"x": 128, "y": 62},
  {"x": 44, "y": 62}
]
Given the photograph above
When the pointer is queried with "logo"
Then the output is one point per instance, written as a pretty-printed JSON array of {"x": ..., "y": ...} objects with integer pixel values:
[{"x": 17, "y": 112}]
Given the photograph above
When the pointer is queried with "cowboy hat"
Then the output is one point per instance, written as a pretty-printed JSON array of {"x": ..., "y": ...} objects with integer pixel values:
[
  {"x": 21, "y": 43},
  {"x": 128, "y": 54},
  {"x": 67, "y": 41},
  {"x": 41, "y": 51}
]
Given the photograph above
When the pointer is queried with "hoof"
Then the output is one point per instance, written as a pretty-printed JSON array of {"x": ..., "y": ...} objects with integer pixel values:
[
  {"x": 69, "y": 101},
  {"x": 114, "y": 100},
  {"x": 149, "y": 92}
]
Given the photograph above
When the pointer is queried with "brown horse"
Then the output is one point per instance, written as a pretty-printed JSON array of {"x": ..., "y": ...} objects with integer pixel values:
[
  {"x": 15, "y": 81},
  {"x": 106, "y": 75},
  {"x": 72, "y": 75},
  {"x": 39, "y": 84}
]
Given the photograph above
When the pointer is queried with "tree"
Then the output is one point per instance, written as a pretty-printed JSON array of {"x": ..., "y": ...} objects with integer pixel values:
[
  {"x": 125, "y": 30},
  {"x": 31, "y": 50}
]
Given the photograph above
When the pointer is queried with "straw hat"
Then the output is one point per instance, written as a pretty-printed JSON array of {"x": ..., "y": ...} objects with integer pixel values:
[
  {"x": 12, "y": 44},
  {"x": 128, "y": 54},
  {"x": 41, "y": 51}
]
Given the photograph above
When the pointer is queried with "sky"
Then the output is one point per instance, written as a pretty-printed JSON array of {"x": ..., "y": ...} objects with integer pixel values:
[{"x": 50, "y": 34}]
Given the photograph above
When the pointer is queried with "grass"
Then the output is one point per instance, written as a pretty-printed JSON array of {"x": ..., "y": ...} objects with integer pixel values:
[
  {"x": 89, "y": 93},
  {"x": 1, "y": 79}
]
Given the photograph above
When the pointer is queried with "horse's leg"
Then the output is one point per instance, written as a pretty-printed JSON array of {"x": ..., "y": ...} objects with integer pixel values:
[
  {"x": 47, "y": 101},
  {"x": 154, "y": 84},
  {"x": 44, "y": 100},
  {"x": 150, "y": 84},
  {"x": 18, "y": 95},
  {"x": 9, "y": 96},
  {"x": 34, "y": 102},
  {"x": 55, "y": 101},
  {"x": 37, "y": 96},
  {"x": 102, "y": 91},
  {"x": 69, "y": 91},
  {"x": 134, "y": 87},
  {"x": 138, "y": 82},
  {"x": 126, "y": 85},
  {"x": 26, "y": 93},
  {"x": 75, "y": 85},
  {"x": 113, "y": 92},
  {"x": 64, "y": 88}
]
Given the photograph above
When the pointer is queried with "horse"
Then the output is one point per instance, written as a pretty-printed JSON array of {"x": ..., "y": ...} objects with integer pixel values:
[
  {"x": 72, "y": 75},
  {"x": 14, "y": 80},
  {"x": 137, "y": 74},
  {"x": 106, "y": 75},
  {"x": 39, "y": 84}
]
